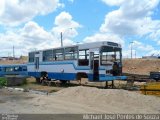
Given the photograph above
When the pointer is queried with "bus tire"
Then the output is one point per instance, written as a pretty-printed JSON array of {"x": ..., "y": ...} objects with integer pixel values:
[
  {"x": 43, "y": 83},
  {"x": 38, "y": 80},
  {"x": 63, "y": 81}
]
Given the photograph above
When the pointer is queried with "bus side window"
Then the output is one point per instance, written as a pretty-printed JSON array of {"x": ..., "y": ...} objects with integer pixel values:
[
  {"x": 24, "y": 68},
  {"x": 83, "y": 57},
  {"x": 54, "y": 55},
  {"x": 31, "y": 56},
  {"x": 18, "y": 68},
  {"x": 71, "y": 53},
  {"x": 48, "y": 55},
  {"x": 0, "y": 69},
  {"x": 9, "y": 69},
  {"x": 59, "y": 54}
]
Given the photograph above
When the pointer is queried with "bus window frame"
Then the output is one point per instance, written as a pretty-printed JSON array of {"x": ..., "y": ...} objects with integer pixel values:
[
  {"x": 86, "y": 57},
  {"x": 17, "y": 70},
  {"x": 74, "y": 55},
  {"x": 55, "y": 57},
  {"x": 115, "y": 49},
  {"x": 46, "y": 56},
  {"x": 24, "y": 68},
  {"x": 33, "y": 57},
  {"x": 9, "y": 69}
]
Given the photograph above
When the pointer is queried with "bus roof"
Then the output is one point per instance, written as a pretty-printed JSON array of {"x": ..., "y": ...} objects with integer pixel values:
[
  {"x": 98, "y": 44},
  {"x": 90, "y": 45}
]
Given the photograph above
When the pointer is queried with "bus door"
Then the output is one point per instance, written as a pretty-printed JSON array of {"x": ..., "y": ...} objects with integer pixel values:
[
  {"x": 36, "y": 62},
  {"x": 94, "y": 63}
]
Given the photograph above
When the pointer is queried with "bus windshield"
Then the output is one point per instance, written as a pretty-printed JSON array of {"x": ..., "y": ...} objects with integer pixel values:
[{"x": 109, "y": 55}]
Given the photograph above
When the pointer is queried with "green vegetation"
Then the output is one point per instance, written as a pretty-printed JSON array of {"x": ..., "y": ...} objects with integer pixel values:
[{"x": 3, "y": 81}]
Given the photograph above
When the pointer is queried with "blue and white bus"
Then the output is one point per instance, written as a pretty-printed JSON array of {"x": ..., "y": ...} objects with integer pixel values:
[
  {"x": 97, "y": 61},
  {"x": 13, "y": 69}
]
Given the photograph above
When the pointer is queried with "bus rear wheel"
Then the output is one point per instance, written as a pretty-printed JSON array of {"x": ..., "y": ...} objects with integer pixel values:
[
  {"x": 63, "y": 81},
  {"x": 38, "y": 80}
]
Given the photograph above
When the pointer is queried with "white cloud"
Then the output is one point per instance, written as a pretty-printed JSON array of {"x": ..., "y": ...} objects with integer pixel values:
[
  {"x": 71, "y": 1},
  {"x": 133, "y": 17},
  {"x": 15, "y": 12},
  {"x": 35, "y": 37},
  {"x": 7, "y": 41},
  {"x": 154, "y": 53},
  {"x": 155, "y": 35},
  {"x": 142, "y": 46},
  {"x": 126, "y": 54},
  {"x": 115, "y": 24},
  {"x": 32, "y": 36},
  {"x": 139, "y": 49},
  {"x": 65, "y": 24},
  {"x": 113, "y": 2},
  {"x": 104, "y": 37},
  {"x": 2, "y": 5},
  {"x": 32, "y": 32},
  {"x": 29, "y": 38}
]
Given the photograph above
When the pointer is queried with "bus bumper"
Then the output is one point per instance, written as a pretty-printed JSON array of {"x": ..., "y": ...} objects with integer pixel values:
[{"x": 111, "y": 78}]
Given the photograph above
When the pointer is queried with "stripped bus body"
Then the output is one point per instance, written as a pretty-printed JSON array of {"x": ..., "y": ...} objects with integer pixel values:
[
  {"x": 98, "y": 61},
  {"x": 13, "y": 69}
]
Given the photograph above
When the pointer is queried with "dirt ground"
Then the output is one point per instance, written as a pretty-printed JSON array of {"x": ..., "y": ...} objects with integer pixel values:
[
  {"x": 141, "y": 66},
  {"x": 84, "y": 99},
  {"x": 78, "y": 100},
  {"x": 20, "y": 61},
  {"x": 31, "y": 84}
]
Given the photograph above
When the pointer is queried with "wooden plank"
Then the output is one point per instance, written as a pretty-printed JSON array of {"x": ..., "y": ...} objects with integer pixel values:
[
  {"x": 151, "y": 86},
  {"x": 157, "y": 93},
  {"x": 151, "y": 89}
]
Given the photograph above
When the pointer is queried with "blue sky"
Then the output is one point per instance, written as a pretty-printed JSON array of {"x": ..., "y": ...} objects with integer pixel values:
[
  {"x": 86, "y": 13},
  {"x": 30, "y": 25}
]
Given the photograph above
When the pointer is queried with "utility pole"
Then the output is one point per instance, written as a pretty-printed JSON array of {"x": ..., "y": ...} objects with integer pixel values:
[
  {"x": 61, "y": 39},
  {"x": 131, "y": 49},
  {"x": 61, "y": 34},
  {"x": 13, "y": 53},
  {"x": 8, "y": 56}
]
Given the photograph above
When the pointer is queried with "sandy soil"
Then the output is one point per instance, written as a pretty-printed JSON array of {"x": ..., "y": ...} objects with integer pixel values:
[
  {"x": 78, "y": 100},
  {"x": 21, "y": 61},
  {"x": 84, "y": 99},
  {"x": 141, "y": 66}
]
